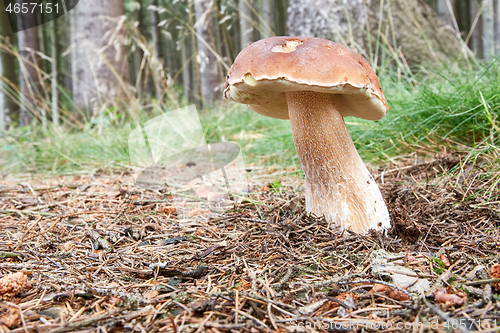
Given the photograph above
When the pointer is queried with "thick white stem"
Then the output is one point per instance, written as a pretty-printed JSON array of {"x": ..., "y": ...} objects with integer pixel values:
[{"x": 337, "y": 183}]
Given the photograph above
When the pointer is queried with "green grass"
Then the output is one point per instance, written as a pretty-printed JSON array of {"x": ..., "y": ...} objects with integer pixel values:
[
  {"x": 52, "y": 152},
  {"x": 453, "y": 109},
  {"x": 456, "y": 109}
]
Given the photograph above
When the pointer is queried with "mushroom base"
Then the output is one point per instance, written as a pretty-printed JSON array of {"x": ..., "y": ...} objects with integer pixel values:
[{"x": 337, "y": 184}]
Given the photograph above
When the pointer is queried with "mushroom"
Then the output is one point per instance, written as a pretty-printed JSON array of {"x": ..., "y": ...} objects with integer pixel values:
[{"x": 315, "y": 83}]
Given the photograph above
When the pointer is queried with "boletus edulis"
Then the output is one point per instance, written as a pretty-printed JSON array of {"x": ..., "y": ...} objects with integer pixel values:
[{"x": 316, "y": 83}]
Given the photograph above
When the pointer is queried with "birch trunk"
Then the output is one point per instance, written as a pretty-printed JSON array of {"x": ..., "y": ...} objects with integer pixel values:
[
  {"x": 488, "y": 29},
  {"x": 446, "y": 12},
  {"x": 56, "y": 59},
  {"x": 207, "y": 62},
  {"x": 266, "y": 30},
  {"x": 99, "y": 60},
  {"x": 246, "y": 27}
]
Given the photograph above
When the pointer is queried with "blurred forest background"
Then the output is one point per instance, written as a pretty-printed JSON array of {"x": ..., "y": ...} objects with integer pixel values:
[
  {"x": 66, "y": 70},
  {"x": 113, "y": 62}
]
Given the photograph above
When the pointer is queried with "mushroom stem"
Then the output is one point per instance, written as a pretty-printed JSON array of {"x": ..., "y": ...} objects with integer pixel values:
[{"x": 337, "y": 183}]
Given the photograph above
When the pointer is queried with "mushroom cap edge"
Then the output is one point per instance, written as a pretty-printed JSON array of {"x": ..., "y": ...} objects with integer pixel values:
[{"x": 265, "y": 70}]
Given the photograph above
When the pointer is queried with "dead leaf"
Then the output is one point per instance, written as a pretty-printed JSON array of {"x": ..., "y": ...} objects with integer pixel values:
[
  {"x": 112, "y": 302},
  {"x": 151, "y": 294},
  {"x": 200, "y": 305},
  {"x": 11, "y": 319},
  {"x": 67, "y": 246},
  {"x": 203, "y": 191},
  {"x": 450, "y": 297},
  {"x": 200, "y": 232},
  {"x": 330, "y": 305},
  {"x": 168, "y": 210},
  {"x": 244, "y": 285},
  {"x": 265, "y": 188},
  {"x": 408, "y": 259},
  {"x": 495, "y": 274},
  {"x": 392, "y": 292},
  {"x": 343, "y": 296},
  {"x": 444, "y": 260}
]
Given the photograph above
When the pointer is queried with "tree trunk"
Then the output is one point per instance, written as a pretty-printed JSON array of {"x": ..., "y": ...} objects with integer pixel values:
[
  {"x": 281, "y": 17},
  {"x": 446, "y": 12},
  {"x": 56, "y": 59},
  {"x": 462, "y": 9},
  {"x": 168, "y": 39},
  {"x": 169, "y": 46},
  {"x": 413, "y": 27},
  {"x": 138, "y": 56},
  {"x": 186, "y": 69},
  {"x": 99, "y": 59},
  {"x": 478, "y": 21},
  {"x": 266, "y": 30},
  {"x": 3, "y": 100},
  {"x": 496, "y": 24},
  {"x": 8, "y": 107},
  {"x": 207, "y": 62},
  {"x": 138, "y": 76},
  {"x": 43, "y": 37},
  {"x": 68, "y": 58},
  {"x": 488, "y": 31},
  {"x": 29, "y": 79},
  {"x": 156, "y": 37},
  {"x": 155, "y": 29},
  {"x": 475, "y": 30},
  {"x": 246, "y": 23},
  {"x": 195, "y": 69}
]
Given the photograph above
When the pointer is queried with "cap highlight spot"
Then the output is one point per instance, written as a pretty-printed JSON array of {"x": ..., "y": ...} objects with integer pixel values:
[{"x": 289, "y": 46}]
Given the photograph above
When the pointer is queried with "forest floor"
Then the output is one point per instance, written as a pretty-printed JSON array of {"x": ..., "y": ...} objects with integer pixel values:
[{"x": 97, "y": 253}]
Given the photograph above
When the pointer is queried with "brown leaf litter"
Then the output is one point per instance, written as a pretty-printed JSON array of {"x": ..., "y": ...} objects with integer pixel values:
[{"x": 102, "y": 255}]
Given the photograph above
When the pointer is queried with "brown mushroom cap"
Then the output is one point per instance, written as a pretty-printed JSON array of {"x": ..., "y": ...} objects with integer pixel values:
[{"x": 265, "y": 70}]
